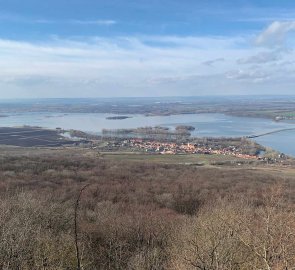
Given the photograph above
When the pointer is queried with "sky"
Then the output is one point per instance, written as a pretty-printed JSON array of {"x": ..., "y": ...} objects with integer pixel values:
[{"x": 122, "y": 48}]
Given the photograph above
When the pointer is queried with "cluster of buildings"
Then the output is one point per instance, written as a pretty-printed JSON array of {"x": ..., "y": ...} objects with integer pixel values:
[{"x": 174, "y": 148}]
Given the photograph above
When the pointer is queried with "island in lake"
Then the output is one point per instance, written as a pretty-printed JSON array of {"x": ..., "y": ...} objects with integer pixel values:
[
  {"x": 147, "y": 132},
  {"x": 185, "y": 128},
  {"x": 119, "y": 117}
]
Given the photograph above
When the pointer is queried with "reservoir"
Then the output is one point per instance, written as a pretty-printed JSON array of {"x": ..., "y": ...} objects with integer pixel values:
[{"x": 206, "y": 125}]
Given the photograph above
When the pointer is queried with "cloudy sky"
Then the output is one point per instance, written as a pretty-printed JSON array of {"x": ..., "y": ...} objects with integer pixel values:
[{"x": 99, "y": 48}]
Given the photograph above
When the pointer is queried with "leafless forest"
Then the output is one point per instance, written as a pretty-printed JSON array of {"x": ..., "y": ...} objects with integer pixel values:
[{"x": 137, "y": 215}]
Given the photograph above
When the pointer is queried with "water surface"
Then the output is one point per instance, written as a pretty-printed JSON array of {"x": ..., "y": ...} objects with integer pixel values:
[{"x": 207, "y": 125}]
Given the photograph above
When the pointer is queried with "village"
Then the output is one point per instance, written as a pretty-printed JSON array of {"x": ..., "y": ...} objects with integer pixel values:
[{"x": 174, "y": 148}]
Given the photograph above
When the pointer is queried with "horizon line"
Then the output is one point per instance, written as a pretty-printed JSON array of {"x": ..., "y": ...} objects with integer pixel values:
[{"x": 146, "y": 97}]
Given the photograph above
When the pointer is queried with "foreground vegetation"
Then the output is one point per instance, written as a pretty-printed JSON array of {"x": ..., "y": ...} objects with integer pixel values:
[{"x": 142, "y": 215}]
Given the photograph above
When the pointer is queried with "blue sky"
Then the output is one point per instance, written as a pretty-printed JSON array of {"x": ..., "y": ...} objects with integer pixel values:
[{"x": 94, "y": 48}]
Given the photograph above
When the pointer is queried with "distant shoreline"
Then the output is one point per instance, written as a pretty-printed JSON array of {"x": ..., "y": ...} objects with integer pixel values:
[{"x": 119, "y": 117}]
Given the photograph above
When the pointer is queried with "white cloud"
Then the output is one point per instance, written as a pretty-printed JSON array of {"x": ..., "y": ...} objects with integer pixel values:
[
  {"x": 249, "y": 75},
  {"x": 30, "y": 20},
  {"x": 214, "y": 61},
  {"x": 275, "y": 33},
  {"x": 93, "y": 22},
  {"x": 261, "y": 58},
  {"x": 137, "y": 66}
]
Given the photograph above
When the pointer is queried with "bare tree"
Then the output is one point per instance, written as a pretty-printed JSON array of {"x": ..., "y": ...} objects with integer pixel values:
[{"x": 76, "y": 226}]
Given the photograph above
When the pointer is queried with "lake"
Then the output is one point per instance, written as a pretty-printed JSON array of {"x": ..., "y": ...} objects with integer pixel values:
[{"x": 207, "y": 125}]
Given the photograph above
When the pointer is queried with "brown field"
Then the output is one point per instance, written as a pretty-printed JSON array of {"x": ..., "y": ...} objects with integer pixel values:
[
  {"x": 143, "y": 212},
  {"x": 184, "y": 159}
]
